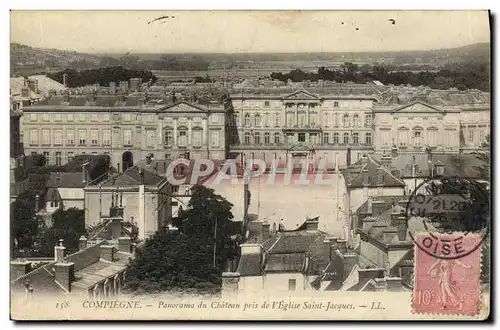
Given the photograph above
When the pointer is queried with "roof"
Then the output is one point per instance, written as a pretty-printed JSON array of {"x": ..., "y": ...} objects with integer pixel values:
[
  {"x": 52, "y": 195},
  {"x": 249, "y": 265},
  {"x": 389, "y": 201},
  {"x": 132, "y": 177},
  {"x": 285, "y": 262},
  {"x": 463, "y": 165},
  {"x": 46, "y": 84},
  {"x": 66, "y": 180},
  {"x": 355, "y": 174}
]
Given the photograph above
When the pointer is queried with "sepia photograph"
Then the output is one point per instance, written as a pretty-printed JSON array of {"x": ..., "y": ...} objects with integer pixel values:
[{"x": 250, "y": 165}]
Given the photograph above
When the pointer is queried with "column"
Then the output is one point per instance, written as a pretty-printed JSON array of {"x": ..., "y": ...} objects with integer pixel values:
[
  {"x": 297, "y": 114},
  {"x": 205, "y": 130},
  {"x": 308, "y": 122},
  {"x": 175, "y": 131},
  {"x": 159, "y": 135},
  {"x": 189, "y": 130}
]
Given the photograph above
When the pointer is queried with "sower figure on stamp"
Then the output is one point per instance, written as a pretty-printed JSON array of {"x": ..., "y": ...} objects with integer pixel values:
[{"x": 442, "y": 270}]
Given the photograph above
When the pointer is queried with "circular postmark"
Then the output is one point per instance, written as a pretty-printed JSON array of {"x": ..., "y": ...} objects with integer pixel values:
[{"x": 453, "y": 213}]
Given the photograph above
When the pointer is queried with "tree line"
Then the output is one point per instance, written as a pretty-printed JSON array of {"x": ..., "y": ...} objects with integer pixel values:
[
  {"x": 101, "y": 76},
  {"x": 460, "y": 76}
]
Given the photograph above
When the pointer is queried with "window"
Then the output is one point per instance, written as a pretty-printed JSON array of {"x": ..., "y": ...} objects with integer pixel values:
[
  {"x": 403, "y": 137},
  {"x": 215, "y": 138},
  {"x": 336, "y": 120},
  {"x": 267, "y": 138},
  {"x": 215, "y": 118},
  {"x": 33, "y": 136},
  {"x": 326, "y": 119},
  {"x": 312, "y": 118},
  {"x": 58, "y": 136},
  {"x": 302, "y": 137},
  {"x": 167, "y": 138},
  {"x": 256, "y": 138},
  {"x": 58, "y": 158},
  {"x": 82, "y": 117},
  {"x": 168, "y": 156},
  {"x": 197, "y": 137},
  {"x": 106, "y": 117},
  {"x": 45, "y": 136},
  {"x": 345, "y": 121},
  {"x": 277, "y": 119},
  {"x": 368, "y": 120},
  {"x": 70, "y": 155},
  {"x": 266, "y": 119},
  {"x": 70, "y": 137},
  {"x": 355, "y": 120},
  {"x": 46, "y": 154},
  {"x": 69, "y": 117},
  {"x": 93, "y": 117},
  {"x": 471, "y": 135},
  {"x": 45, "y": 117},
  {"x": 106, "y": 137},
  {"x": 257, "y": 120},
  {"x": 94, "y": 137},
  {"x": 33, "y": 117},
  {"x": 127, "y": 117},
  {"x": 336, "y": 104},
  {"x": 276, "y": 137},
  {"x": 266, "y": 104},
  {"x": 182, "y": 139},
  {"x": 326, "y": 138},
  {"x": 313, "y": 138},
  {"x": 247, "y": 138},
  {"x": 150, "y": 118},
  {"x": 82, "y": 135},
  {"x": 368, "y": 138},
  {"x": 481, "y": 135},
  {"x": 150, "y": 138},
  {"x": 417, "y": 138},
  {"x": 57, "y": 117},
  {"x": 138, "y": 117},
  {"x": 127, "y": 137},
  {"x": 292, "y": 284},
  {"x": 302, "y": 119},
  {"x": 346, "y": 138},
  {"x": 336, "y": 138},
  {"x": 355, "y": 138},
  {"x": 432, "y": 136},
  {"x": 289, "y": 119},
  {"x": 247, "y": 120}
]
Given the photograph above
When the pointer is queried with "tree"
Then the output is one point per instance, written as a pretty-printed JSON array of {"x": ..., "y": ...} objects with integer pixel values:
[
  {"x": 173, "y": 261},
  {"x": 484, "y": 155},
  {"x": 68, "y": 225},
  {"x": 208, "y": 219},
  {"x": 23, "y": 223}
]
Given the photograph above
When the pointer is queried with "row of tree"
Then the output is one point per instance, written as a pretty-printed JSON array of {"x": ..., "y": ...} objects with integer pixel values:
[
  {"x": 462, "y": 77},
  {"x": 101, "y": 76}
]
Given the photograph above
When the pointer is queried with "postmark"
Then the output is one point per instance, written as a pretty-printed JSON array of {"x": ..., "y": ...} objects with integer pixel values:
[
  {"x": 446, "y": 205},
  {"x": 447, "y": 286}
]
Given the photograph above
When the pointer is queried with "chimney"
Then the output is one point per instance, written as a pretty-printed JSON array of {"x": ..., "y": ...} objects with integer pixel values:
[
  {"x": 394, "y": 284},
  {"x": 124, "y": 244},
  {"x": 348, "y": 156},
  {"x": 402, "y": 228},
  {"x": 116, "y": 228},
  {"x": 377, "y": 207},
  {"x": 141, "y": 174},
  {"x": 403, "y": 203},
  {"x": 65, "y": 79},
  {"x": 368, "y": 222},
  {"x": 230, "y": 284},
  {"x": 64, "y": 274},
  {"x": 327, "y": 244},
  {"x": 380, "y": 176},
  {"x": 367, "y": 274},
  {"x": 386, "y": 161},
  {"x": 82, "y": 243},
  {"x": 389, "y": 233},
  {"x": 342, "y": 245},
  {"x": 394, "y": 152},
  {"x": 312, "y": 224},
  {"x": 19, "y": 268},
  {"x": 265, "y": 230},
  {"x": 366, "y": 177},
  {"x": 59, "y": 251},
  {"x": 174, "y": 98},
  {"x": 364, "y": 159},
  {"x": 107, "y": 252},
  {"x": 350, "y": 260},
  {"x": 84, "y": 173}
]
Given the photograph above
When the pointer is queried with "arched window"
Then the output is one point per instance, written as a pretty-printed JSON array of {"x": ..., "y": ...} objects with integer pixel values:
[
  {"x": 167, "y": 138},
  {"x": 182, "y": 137},
  {"x": 276, "y": 137},
  {"x": 417, "y": 136},
  {"x": 356, "y": 120},
  {"x": 247, "y": 120},
  {"x": 247, "y": 138},
  {"x": 257, "y": 120},
  {"x": 267, "y": 138},
  {"x": 345, "y": 121}
]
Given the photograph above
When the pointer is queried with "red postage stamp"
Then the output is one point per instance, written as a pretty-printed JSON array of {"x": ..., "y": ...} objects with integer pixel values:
[{"x": 447, "y": 274}]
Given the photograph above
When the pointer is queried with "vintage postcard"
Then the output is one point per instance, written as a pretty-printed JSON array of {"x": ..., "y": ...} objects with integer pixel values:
[{"x": 250, "y": 165}]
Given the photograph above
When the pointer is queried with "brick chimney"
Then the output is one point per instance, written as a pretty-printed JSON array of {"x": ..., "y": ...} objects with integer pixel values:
[
  {"x": 19, "y": 268},
  {"x": 116, "y": 228},
  {"x": 342, "y": 245},
  {"x": 59, "y": 251},
  {"x": 377, "y": 207},
  {"x": 230, "y": 283},
  {"x": 64, "y": 274},
  {"x": 327, "y": 245},
  {"x": 125, "y": 244},
  {"x": 312, "y": 224},
  {"x": 82, "y": 243},
  {"x": 394, "y": 152},
  {"x": 402, "y": 228},
  {"x": 107, "y": 252}
]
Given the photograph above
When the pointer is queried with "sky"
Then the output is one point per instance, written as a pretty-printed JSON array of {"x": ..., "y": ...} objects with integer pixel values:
[{"x": 248, "y": 32}]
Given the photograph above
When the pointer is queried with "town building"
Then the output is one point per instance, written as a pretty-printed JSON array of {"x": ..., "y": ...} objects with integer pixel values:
[
  {"x": 65, "y": 190},
  {"x": 136, "y": 196},
  {"x": 96, "y": 271},
  {"x": 126, "y": 127}
]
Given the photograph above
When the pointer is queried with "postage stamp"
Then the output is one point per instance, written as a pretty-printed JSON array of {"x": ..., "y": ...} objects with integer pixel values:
[{"x": 451, "y": 285}]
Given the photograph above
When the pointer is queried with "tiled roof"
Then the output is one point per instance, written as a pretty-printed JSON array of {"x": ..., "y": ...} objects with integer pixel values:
[
  {"x": 389, "y": 201},
  {"x": 249, "y": 265},
  {"x": 355, "y": 177},
  {"x": 52, "y": 195},
  {"x": 285, "y": 262},
  {"x": 66, "y": 180},
  {"x": 132, "y": 177}
]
